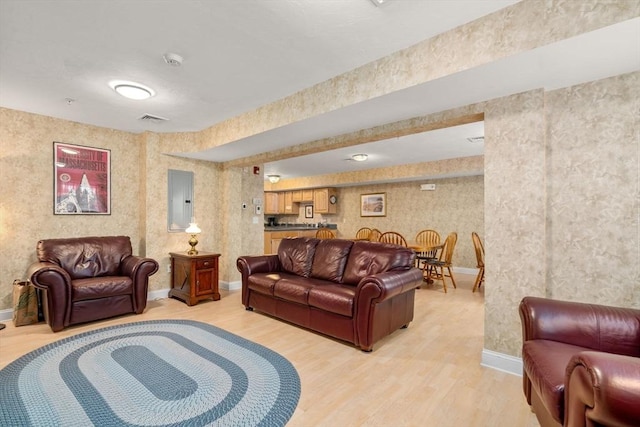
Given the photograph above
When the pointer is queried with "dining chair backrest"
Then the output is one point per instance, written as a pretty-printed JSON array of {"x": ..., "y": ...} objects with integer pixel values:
[
  {"x": 428, "y": 238},
  {"x": 477, "y": 246},
  {"x": 449, "y": 246},
  {"x": 325, "y": 233},
  {"x": 363, "y": 233},
  {"x": 393, "y": 237},
  {"x": 374, "y": 235}
]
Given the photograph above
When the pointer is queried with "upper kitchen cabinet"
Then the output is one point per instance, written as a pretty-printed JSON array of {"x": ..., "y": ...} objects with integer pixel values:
[{"x": 325, "y": 200}]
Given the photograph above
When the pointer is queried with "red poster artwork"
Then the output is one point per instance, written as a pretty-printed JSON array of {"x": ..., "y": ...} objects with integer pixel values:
[{"x": 82, "y": 182}]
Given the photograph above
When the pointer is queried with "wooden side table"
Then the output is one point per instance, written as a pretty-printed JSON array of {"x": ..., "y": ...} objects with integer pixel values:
[{"x": 194, "y": 277}]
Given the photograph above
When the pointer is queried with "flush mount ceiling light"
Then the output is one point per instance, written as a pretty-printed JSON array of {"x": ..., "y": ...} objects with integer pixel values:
[
  {"x": 360, "y": 157},
  {"x": 132, "y": 90},
  {"x": 379, "y": 3},
  {"x": 273, "y": 178}
]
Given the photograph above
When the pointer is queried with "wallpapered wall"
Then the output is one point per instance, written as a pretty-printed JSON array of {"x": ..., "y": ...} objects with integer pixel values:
[{"x": 538, "y": 242}]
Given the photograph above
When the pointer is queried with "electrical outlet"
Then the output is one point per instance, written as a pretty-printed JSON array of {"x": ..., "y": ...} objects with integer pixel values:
[{"x": 169, "y": 268}]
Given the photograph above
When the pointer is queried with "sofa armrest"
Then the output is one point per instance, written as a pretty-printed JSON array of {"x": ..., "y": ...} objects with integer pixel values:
[
  {"x": 57, "y": 283},
  {"x": 602, "y": 388},
  {"x": 596, "y": 327},
  {"x": 383, "y": 286},
  {"x": 257, "y": 264}
]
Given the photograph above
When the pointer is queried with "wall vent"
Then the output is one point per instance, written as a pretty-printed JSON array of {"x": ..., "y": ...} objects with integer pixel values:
[{"x": 153, "y": 119}]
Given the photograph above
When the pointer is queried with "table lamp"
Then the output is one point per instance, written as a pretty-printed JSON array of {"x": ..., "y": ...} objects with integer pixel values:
[{"x": 194, "y": 230}]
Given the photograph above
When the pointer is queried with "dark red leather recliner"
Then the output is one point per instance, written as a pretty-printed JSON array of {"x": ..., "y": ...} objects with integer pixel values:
[
  {"x": 90, "y": 278},
  {"x": 581, "y": 363}
]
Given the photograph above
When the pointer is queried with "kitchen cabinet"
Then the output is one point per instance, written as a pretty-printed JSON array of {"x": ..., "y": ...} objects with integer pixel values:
[
  {"x": 194, "y": 277},
  {"x": 307, "y": 196},
  {"x": 288, "y": 203},
  {"x": 325, "y": 200},
  {"x": 296, "y": 196},
  {"x": 271, "y": 203}
]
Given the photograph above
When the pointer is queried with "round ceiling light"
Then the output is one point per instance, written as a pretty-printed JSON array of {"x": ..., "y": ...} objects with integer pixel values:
[
  {"x": 273, "y": 178},
  {"x": 359, "y": 157},
  {"x": 132, "y": 90}
]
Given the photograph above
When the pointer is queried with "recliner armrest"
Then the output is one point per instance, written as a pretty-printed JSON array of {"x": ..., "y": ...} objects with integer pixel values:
[
  {"x": 603, "y": 388},
  {"x": 592, "y": 326}
]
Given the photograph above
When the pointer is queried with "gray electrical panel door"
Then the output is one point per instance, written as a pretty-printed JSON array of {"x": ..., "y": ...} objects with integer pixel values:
[{"x": 180, "y": 207}]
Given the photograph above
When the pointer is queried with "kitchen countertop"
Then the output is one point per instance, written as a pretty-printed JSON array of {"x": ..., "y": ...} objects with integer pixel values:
[{"x": 298, "y": 227}]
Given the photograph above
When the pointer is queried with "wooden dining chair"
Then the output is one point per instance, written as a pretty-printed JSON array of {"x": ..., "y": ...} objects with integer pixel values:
[
  {"x": 443, "y": 265},
  {"x": 374, "y": 235},
  {"x": 479, "y": 248},
  {"x": 393, "y": 237},
  {"x": 427, "y": 238},
  {"x": 363, "y": 233},
  {"x": 325, "y": 233}
]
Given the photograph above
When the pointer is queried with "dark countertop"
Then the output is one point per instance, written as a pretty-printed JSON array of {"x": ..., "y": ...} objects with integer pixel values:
[{"x": 298, "y": 227}]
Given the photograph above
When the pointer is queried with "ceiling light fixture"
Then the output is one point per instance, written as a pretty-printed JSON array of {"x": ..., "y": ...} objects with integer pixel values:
[
  {"x": 273, "y": 178},
  {"x": 378, "y": 3},
  {"x": 360, "y": 157},
  {"x": 132, "y": 90}
]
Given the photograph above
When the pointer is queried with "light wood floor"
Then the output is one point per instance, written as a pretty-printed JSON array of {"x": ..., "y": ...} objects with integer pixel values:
[{"x": 426, "y": 375}]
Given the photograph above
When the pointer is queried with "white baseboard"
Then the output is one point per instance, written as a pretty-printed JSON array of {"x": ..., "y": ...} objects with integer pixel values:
[
  {"x": 159, "y": 294},
  {"x": 465, "y": 270},
  {"x": 231, "y": 286},
  {"x": 6, "y": 314},
  {"x": 501, "y": 362}
]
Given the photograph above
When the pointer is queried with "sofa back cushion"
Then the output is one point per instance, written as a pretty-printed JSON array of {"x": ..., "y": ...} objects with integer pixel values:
[
  {"x": 330, "y": 259},
  {"x": 86, "y": 257},
  {"x": 296, "y": 255},
  {"x": 369, "y": 258}
]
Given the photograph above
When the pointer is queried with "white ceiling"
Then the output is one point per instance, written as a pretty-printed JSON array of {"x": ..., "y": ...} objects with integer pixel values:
[{"x": 241, "y": 54}]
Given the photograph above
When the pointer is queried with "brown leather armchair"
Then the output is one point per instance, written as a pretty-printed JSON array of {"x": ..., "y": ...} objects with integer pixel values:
[
  {"x": 90, "y": 278},
  {"x": 581, "y": 363}
]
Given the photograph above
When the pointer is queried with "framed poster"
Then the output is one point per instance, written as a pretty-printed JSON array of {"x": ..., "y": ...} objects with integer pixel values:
[
  {"x": 373, "y": 204},
  {"x": 308, "y": 211},
  {"x": 82, "y": 180}
]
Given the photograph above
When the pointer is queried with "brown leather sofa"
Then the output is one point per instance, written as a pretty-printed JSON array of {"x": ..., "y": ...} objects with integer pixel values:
[
  {"x": 358, "y": 292},
  {"x": 581, "y": 363},
  {"x": 90, "y": 278}
]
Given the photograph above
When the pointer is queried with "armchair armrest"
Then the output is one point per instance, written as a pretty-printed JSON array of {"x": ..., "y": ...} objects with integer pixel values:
[
  {"x": 603, "y": 388},
  {"x": 56, "y": 282},
  {"x": 139, "y": 269},
  {"x": 597, "y": 327}
]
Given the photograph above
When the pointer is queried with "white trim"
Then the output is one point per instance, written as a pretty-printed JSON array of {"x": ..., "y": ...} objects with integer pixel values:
[
  {"x": 159, "y": 294},
  {"x": 465, "y": 270},
  {"x": 6, "y": 314},
  {"x": 501, "y": 362},
  {"x": 231, "y": 286}
]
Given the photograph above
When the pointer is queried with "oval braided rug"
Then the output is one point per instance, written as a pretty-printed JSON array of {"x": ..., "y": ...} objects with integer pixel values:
[{"x": 152, "y": 373}]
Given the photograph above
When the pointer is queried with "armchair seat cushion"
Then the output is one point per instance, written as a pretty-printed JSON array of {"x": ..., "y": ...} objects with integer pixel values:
[
  {"x": 545, "y": 363},
  {"x": 101, "y": 287}
]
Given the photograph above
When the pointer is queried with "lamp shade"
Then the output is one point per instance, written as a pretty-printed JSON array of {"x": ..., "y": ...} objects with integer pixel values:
[{"x": 193, "y": 228}]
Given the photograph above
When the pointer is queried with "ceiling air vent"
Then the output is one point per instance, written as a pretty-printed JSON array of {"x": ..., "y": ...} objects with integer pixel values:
[
  {"x": 152, "y": 119},
  {"x": 476, "y": 139}
]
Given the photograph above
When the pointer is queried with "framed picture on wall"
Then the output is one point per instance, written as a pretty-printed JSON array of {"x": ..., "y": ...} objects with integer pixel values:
[
  {"x": 374, "y": 204},
  {"x": 82, "y": 180},
  {"x": 308, "y": 211}
]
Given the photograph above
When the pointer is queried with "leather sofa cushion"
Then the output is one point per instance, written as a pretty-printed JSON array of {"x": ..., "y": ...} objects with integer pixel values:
[
  {"x": 87, "y": 256},
  {"x": 101, "y": 287},
  {"x": 264, "y": 282},
  {"x": 330, "y": 259},
  {"x": 296, "y": 255},
  {"x": 295, "y": 289},
  {"x": 545, "y": 363},
  {"x": 334, "y": 298},
  {"x": 369, "y": 258}
]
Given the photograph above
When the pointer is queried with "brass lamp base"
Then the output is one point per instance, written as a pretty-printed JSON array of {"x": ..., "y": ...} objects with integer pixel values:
[{"x": 193, "y": 242}]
